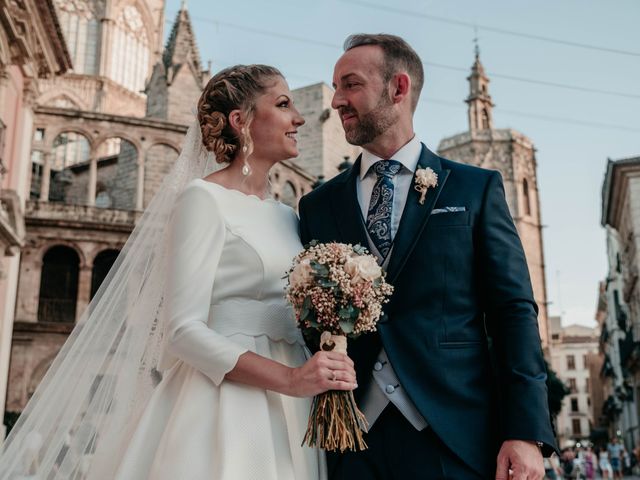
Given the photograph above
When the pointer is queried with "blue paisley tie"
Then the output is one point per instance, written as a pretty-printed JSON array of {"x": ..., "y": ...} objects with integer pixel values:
[{"x": 381, "y": 204}]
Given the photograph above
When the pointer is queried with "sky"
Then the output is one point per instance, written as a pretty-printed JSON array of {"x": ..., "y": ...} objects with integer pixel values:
[{"x": 564, "y": 73}]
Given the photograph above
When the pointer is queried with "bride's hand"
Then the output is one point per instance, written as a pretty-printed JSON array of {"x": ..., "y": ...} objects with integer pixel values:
[{"x": 324, "y": 371}]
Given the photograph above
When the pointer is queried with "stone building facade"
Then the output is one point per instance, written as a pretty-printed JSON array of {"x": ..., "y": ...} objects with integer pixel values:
[
  {"x": 513, "y": 155},
  {"x": 620, "y": 304},
  {"x": 96, "y": 158},
  {"x": 101, "y": 144},
  {"x": 32, "y": 50},
  {"x": 572, "y": 348}
]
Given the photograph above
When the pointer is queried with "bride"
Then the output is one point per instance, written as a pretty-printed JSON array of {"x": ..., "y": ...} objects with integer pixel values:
[{"x": 187, "y": 363}]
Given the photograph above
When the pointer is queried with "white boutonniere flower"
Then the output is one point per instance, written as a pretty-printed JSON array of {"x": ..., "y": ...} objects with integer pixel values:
[{"x": 425, "y": 179}]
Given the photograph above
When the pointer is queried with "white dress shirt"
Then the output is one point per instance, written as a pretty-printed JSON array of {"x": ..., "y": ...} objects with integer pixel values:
[
  {"x": 385, "y": 386},
  {"x": 408, "y": 156}
]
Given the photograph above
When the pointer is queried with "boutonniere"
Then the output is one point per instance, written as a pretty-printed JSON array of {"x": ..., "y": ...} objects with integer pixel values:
[{"x": 425, "y": 179}]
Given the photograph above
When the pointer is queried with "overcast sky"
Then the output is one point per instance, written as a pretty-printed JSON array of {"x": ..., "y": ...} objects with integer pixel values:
[{"x": 563, "y": 73}]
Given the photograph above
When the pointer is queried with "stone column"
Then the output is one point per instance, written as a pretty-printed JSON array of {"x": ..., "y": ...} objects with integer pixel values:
[
  {"x": 106, "y": 40},
  {"x": 45, "y": 183},
  {"x": 140, "y": 184},
  {"x": 84, "y": 290},
  {"x": 93, "y": 180}
]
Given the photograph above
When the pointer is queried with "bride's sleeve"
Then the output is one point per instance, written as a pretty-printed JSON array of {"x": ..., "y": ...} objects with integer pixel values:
[{"x": 196, "y": 239}]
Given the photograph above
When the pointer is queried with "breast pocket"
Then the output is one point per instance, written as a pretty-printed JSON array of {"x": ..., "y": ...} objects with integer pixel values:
[{"x": 449, "y": 219}]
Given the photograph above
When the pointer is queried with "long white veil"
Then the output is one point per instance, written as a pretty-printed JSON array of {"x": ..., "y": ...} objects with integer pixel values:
[{"x": 78, "y": 420}]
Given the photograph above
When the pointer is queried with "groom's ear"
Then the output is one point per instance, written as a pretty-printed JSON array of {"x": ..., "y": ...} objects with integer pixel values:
[{"x": 401, "y": 87}]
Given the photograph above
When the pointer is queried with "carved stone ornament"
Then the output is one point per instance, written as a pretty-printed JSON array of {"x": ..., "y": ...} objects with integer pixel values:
[{"x": 87, "y": 9}]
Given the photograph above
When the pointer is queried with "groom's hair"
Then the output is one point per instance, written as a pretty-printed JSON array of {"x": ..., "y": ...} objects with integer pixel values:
[{"x": 398, "y": 55}]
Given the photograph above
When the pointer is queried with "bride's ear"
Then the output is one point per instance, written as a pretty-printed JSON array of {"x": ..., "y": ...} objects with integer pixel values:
[{"x": 237, "y": 120}]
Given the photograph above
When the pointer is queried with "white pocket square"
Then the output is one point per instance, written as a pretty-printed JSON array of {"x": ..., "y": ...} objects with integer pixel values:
[{"x": 435, "y": 211}]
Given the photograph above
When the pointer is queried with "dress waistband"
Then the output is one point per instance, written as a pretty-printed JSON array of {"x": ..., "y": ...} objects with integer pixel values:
[{"x": 255, "y": 318}]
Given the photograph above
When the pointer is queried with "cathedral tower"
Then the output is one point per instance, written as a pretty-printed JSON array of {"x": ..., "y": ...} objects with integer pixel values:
[
  {"x": 178, "y": 77},
  {"x": 514, "y": 156}
]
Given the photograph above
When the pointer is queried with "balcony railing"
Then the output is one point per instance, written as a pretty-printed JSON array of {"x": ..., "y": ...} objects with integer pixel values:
[{"x": 57, "y": 310}]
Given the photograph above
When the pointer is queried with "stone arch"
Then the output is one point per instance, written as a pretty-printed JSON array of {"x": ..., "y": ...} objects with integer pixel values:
[
  {"x": 102, "y": 263},
  {"x": 48, "y": 97},
  {"x": 38, "y": 373},
  {"x": 166, "y": 142},
  {"x": 120, "y": 134},
  {"x": 65, "y": 243},
  {"x": 159, "y": 159},
  {"x": 53, "y": 134},
  {"x": 59, "y": 282},
  {"x": 69, "y": 167}
]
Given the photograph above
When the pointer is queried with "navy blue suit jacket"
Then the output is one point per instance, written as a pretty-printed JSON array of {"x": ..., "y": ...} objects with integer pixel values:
[{"x": 460, "y": 279}]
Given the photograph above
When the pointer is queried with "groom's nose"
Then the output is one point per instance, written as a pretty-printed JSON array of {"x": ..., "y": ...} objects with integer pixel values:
[{"x": 338, "y": 100}]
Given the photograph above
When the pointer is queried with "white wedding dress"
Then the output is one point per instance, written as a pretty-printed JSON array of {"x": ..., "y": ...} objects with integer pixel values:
[{"x": 228, "y": 253}]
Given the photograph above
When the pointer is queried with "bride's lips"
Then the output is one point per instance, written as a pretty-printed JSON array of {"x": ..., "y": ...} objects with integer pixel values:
[{"x": 292, "y": 136}]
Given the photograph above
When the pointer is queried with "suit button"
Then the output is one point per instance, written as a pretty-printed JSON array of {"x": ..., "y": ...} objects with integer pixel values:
[
  {"x": 390, "y": 389},
  {"x": 377, "y": 366}
]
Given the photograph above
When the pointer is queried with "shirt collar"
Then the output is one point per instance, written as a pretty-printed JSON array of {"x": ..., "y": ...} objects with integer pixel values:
[{"x": 408, "y": 156}]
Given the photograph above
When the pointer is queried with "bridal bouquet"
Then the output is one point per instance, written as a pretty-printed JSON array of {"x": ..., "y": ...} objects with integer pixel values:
[{"x": 337, "y": 291}]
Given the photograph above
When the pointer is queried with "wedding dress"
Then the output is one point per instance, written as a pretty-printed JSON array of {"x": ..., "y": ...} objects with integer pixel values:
[
  {"x": 138, "y": 390},
  {"x": 227, "y": 255}
]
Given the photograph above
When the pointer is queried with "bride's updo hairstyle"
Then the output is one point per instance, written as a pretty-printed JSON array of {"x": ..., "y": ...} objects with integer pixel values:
[{"x": 234, "y": 88}]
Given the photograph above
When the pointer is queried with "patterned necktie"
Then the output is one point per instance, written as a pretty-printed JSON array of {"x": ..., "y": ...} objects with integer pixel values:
[{"x": 381, "y": 204}]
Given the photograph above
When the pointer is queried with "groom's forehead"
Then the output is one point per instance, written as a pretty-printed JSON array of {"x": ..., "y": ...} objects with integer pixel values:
[{"x": 363, "y": 60}]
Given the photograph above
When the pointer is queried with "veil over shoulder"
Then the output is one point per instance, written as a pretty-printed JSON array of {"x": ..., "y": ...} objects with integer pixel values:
[{"x": 75, "y": 423}]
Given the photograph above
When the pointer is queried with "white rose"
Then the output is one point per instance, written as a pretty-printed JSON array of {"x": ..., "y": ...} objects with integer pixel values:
[
  {"x": 362, "y": 268},
  {"x": 302, "y": 273}
]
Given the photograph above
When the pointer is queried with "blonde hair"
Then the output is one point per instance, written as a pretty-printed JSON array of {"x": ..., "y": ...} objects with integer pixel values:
[{"x": 234, "y": 88}]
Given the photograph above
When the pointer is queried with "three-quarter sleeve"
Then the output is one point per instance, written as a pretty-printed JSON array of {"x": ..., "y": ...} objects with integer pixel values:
[{"x": 196, "y": 240}]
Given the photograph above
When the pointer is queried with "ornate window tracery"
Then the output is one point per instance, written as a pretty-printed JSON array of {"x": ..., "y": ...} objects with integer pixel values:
[
  {"x": 130, "y": 50},
  {"x": 80, "y": 24}
]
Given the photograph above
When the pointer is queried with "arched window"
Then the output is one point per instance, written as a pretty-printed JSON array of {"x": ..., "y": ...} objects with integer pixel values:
[
  {"x": 130, "y": 50},
  {"x": 59, "y": 285},
  {"x": 485, "y": 119},
  {"x": 101, "y": 266},
  {"x": 81, "y": 28},
  {"x": 69, "y": 149},
  {"x": 526, "y": 198}
]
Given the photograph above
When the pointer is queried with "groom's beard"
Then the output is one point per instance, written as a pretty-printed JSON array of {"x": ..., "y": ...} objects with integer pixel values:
[{"x": 371, "y": 124}]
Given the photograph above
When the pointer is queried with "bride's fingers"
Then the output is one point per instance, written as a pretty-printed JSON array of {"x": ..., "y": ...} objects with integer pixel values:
[
  {"x": 336, "y": 365},
  {"x": 332, "y": 357},
  {"x": 338, "y": 357},
  {"x": 341, "y": 376}
]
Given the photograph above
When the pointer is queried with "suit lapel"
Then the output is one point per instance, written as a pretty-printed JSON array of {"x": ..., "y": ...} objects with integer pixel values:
[
  {"x": 346, "y": 209},
  {"x": 415, "y": 216}
]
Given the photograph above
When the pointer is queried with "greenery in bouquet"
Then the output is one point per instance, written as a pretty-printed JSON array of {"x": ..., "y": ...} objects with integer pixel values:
[
  {"x": 337, "y": 291},
  {"x": 338, "y": 288}
]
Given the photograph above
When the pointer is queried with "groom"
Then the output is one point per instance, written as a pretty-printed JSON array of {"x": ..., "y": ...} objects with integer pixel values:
[{"x": 440, "y": 403}]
